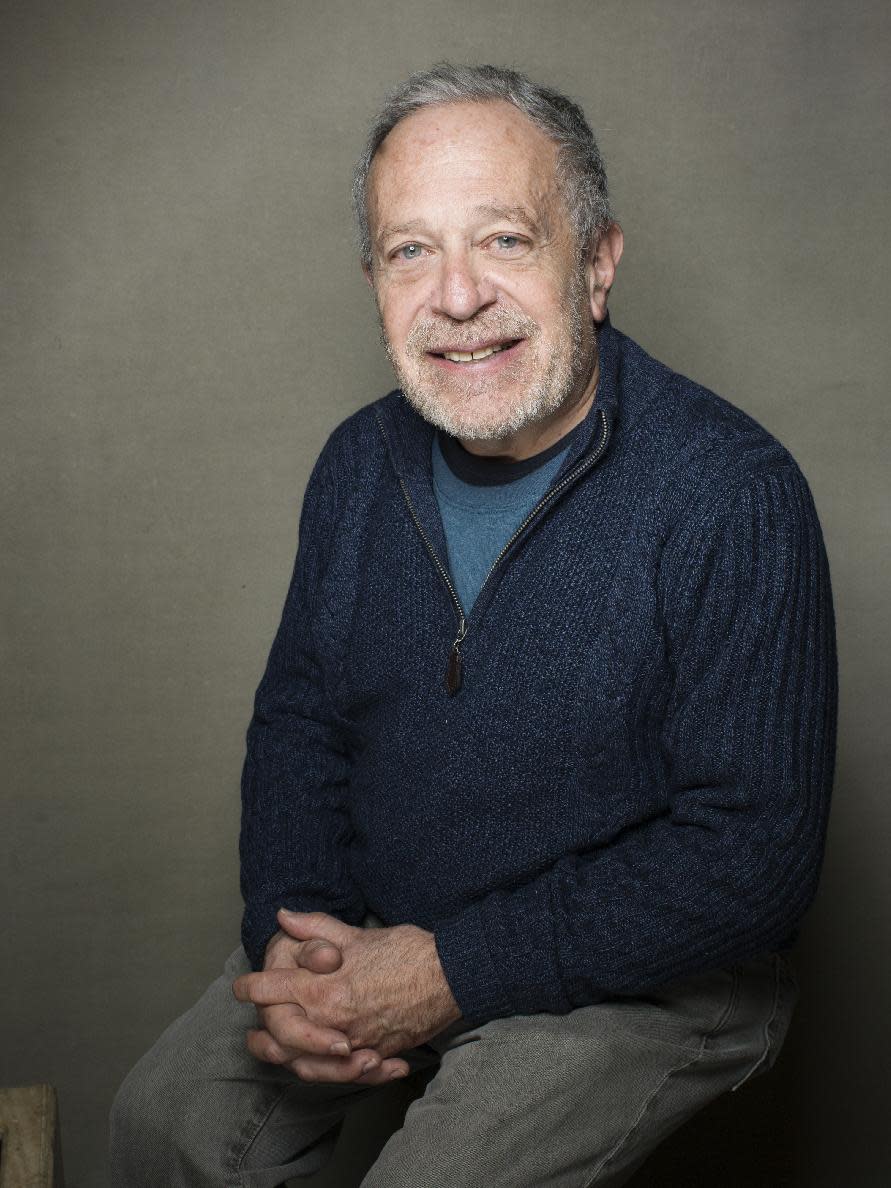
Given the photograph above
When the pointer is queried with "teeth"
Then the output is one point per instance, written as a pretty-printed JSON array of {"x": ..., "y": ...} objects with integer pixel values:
[{"x": 471, "y": 356}]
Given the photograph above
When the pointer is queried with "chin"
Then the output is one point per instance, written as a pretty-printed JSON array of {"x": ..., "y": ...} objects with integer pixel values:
[
  {"x": 475, "y": 416},
  {"x": 490, "y": 429},
  {"x": 496, "y": 427},
  {"x": 485, "y": 412}
]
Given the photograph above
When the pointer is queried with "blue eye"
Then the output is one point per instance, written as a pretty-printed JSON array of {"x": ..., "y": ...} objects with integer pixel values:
[
  {"x": 410, "y": 251},
  {"x": 507, "y": 241}
]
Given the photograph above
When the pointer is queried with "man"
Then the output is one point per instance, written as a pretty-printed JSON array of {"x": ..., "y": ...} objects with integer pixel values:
[{"x": 540, "y": 763}]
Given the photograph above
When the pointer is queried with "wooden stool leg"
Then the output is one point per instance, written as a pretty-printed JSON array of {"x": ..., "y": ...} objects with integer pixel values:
[{"x": 30, "y": 1147}]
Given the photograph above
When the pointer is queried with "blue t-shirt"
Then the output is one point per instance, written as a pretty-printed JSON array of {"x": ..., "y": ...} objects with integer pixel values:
[{"x": 482, "y": 501}]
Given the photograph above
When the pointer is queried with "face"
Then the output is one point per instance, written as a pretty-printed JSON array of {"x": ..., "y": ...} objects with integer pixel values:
[{"x": 487, "y": 311}]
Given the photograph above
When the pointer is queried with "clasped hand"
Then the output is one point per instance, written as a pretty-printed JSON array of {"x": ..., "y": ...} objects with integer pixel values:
[{"x": 335, "y": 1003}]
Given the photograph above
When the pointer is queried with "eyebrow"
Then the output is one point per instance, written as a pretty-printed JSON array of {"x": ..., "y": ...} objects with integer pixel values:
[
  {"x": 510, "y": 214},
  {"x": 401, "y": 229},
  {"x": 486, "y": 211}
]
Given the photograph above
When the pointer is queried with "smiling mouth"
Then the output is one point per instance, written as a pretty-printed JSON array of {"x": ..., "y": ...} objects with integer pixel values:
[{"x": 476, "y": 355}]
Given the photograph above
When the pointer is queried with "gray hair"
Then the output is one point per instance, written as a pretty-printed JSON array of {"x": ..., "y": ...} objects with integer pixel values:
[{"x": 580, "y": 170}]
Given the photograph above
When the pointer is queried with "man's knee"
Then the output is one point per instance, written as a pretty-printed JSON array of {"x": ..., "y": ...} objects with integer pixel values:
[{"x": 148, "y": 1109}]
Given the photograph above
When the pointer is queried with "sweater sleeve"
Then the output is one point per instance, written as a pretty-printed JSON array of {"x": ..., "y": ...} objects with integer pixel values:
[
  {"x": 728, "y": 869},
  {"x": 294, "y": 826}
]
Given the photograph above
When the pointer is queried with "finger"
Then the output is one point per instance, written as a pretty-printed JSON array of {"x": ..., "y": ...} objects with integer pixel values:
[
  {"x": 262, "y": 1046},
  {"x": 364, "y": 1067},
  {"x": 387, "y": 1070},
  {"x": 319, "y": 956},
  {"x": 363, "y": 1062},
  {"x": 312, "y": 925},
  {"x": 269, "y": 986},
  {"x": 284, "y": 952},
  {"x": 291, "y": 1029}
]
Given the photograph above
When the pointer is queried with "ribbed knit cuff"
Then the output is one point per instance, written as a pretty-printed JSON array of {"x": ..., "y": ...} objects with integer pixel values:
[
  {"x": 499, "y": 957},
  {"x": 469, "y": 969}
]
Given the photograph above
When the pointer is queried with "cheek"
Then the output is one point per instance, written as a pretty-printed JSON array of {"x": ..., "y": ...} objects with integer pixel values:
[
  {"x": 398, "y": 313},
  {"x": 535, "y": 295}
]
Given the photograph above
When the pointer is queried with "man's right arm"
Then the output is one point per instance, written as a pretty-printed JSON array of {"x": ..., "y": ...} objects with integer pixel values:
[{"x": 295, "y": 828}]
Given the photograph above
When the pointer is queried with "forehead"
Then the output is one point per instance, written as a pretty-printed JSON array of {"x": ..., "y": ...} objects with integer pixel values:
[{"x": 459, "y": 156}]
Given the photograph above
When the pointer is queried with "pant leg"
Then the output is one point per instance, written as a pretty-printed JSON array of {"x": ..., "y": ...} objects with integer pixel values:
[
  {"x": 198, "y": 1110},
  {"x": 580, "y": 1100}
]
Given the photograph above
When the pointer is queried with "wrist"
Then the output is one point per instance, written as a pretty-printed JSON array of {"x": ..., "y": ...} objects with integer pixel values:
[{"x": 442, "y": 1001}]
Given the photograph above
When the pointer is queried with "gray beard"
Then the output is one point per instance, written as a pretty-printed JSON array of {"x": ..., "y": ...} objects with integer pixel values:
[{"x": 565, "y": 372}]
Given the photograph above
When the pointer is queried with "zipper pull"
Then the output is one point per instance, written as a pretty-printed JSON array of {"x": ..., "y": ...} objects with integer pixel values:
[{"x": 453, "y": 668}]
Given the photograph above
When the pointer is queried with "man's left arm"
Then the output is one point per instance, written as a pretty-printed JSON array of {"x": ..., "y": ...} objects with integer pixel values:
[{"x": 728, "y": 870}]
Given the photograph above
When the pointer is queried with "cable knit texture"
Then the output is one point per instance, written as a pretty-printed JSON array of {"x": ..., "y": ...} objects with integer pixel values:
[{"x": 633, "y": 781}]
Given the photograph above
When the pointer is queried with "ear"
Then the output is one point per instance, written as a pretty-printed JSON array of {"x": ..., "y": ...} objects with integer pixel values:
[{"x": 602, "y": 268}]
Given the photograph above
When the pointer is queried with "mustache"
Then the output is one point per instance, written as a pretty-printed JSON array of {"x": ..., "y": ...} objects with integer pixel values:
[{"x": 432, "y": 335}]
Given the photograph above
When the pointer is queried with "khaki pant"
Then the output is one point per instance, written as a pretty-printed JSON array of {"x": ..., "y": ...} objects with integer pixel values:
[{"x": 567, "y": 1101}]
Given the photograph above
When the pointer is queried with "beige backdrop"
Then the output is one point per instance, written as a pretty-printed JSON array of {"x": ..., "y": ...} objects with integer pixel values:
[{"x": 183, "y": 322}]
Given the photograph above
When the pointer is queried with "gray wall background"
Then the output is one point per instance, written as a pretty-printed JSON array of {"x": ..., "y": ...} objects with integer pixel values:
[{"x": 183, "y": 322}]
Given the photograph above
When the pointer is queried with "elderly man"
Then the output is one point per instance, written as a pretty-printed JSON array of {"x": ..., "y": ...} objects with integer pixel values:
[{"x": 537, "y": 781}]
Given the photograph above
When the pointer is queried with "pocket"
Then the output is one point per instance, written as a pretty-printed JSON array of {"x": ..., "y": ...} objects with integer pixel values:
[
  {"x": 769, "y": 993},
  {"x": 787, "y": 997}
]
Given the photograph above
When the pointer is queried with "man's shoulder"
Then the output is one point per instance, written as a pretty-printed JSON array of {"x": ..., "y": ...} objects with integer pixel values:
[
  {"x": 685, "y": 433},
  {"x": 356, "y": 442},
  {"x": 359, "y": 430}
]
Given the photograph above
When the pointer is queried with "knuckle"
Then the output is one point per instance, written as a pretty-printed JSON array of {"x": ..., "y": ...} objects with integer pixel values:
[
  {"x": 355, "y": 1033},
  {"x": 270, "y": 1022},
  {"x": 282, "y": 1036},
  {"x": 314, "y": 1042},
  {"x": 293, "y": 1037},
  {"x": 263, "y": 1047},
  {"x": 304, "y": 1071},
  {"x": 252, "y": 985}
]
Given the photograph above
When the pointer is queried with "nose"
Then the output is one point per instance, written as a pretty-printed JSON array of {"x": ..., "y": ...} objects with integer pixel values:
[{"x": 460, "y": 291}]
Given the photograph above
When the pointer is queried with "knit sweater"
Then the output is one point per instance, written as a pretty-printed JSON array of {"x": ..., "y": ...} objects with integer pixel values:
[{"x": 631, "y": 781}]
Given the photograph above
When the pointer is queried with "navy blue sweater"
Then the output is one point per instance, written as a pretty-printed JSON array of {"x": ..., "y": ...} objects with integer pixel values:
[{"x": 631, "y": 783}]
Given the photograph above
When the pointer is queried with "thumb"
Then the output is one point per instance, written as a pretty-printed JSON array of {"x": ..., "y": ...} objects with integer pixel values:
[
  {"x": 313, "y": 926},
  {"x": 319, "y": 956}
]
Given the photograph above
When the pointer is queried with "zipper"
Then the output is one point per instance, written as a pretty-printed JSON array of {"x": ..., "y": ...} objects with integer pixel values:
[
  {"x": 453, "y": 667},
  {"x": 453, "y": 676}
]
